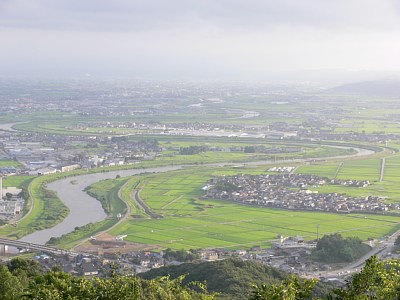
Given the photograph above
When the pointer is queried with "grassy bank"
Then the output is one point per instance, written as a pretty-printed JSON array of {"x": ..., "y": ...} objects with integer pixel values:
[{"x": 106, "y": 191}]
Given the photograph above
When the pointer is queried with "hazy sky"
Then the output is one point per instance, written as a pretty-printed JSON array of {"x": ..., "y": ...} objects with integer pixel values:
[{"x": 196, "y": 38}]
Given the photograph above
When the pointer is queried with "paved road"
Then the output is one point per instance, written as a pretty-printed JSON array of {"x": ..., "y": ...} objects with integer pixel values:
[
  {"x": 383, "y": 161},
  {"x": 85, "y": 209},
  {"x": 381, "y": 250},
  {"x": 37, "y": 247}
]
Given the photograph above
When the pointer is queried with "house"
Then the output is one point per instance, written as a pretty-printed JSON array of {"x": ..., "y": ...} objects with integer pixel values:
[
  {"x": 70, "y": 167},
  {"x": 241, "y": 252},
  {"x": 88, "y": 269},
  {"x": 209, "y": 255},
  {"x": 10, "y": 207},
  {"x": 46, "y": 171}
]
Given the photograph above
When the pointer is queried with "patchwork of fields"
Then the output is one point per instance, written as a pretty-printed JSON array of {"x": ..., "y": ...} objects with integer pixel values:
[
  {"x": 190, "y": 222},
  {"x": 367, "y": 169}
]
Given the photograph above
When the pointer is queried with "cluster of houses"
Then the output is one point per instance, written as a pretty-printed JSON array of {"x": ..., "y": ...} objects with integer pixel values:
[
  {"x": 81, "y": 265},
  {"x": 46, "y": 154},
  {"x": 8, "y": 171},
  {"x": 133, "y": 262},
  {"x": 293, "y": 191},
  {"x": 157, "y": 126},
  {"x": 284, "y": 255}
]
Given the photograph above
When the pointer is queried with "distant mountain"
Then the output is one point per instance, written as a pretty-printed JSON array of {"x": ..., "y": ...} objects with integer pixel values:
[{"x": 380, "y": 88}]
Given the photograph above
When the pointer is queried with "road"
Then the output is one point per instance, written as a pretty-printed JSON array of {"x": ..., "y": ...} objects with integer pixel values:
[
  {"x": 383, "y": 161},
  {"x": 36, "y": 247},
  {"x": 382, "y": 250},
  {"x": 85, "y": 209},
  {"x": 144, "y": 206},
  {"x": 125, "y": 216}
]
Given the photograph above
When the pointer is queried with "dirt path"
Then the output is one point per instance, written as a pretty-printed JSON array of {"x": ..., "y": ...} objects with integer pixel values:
[
  {"x": 383, "y": 161},
  {"x": 169, "y": 203},
  {"x": 144, "y": 206},
  {"x": 127, "y": 214},
  {"x": 338, "y": 169}
]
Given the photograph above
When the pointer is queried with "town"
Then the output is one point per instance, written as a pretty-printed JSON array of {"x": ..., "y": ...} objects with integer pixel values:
[{"x": 293, "y": 191}]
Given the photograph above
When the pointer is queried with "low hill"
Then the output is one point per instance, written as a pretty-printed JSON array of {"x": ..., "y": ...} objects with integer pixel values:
[
  {"x": 233, "y": 278},
  {"x": 376, "y": 88}
]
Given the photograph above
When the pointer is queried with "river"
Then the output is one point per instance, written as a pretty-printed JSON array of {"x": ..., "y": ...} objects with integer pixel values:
[
  {"x": 8, "y": 126},
  {"x": 83, "y": 208}
]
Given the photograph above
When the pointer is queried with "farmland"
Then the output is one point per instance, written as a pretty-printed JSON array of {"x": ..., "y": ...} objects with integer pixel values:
[
  {"x": 191, "y": 222},
  {"x": 311, "y": 129},
  {"x": 8, "y": 163},
  {"x": 366, "y": 169}
]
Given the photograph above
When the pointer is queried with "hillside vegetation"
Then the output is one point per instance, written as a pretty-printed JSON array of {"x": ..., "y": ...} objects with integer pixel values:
[
  {"x": 25, "y": 279},
  {"x": 230, "y": 278}
]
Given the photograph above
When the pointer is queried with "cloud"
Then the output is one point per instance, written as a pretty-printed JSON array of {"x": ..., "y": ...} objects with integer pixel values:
[
  {"x": 144, "y": 15},
  {"x": 186, "y": 37}
]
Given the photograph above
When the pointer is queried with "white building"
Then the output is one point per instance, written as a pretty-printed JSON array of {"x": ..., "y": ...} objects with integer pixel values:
[{"x": 10, "y": 207}]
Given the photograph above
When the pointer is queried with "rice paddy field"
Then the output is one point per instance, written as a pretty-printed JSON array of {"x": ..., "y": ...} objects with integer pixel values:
[
  {"x": 363, "y": 169},
  {"x": 192, "y": 222},
  {"x": 17, "y": 181},
  {"x": 8, "y": 163},
  {"x": 367, "y": 169}
]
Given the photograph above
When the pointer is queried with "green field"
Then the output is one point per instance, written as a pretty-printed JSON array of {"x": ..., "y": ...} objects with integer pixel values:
[
  {"x": 321, "y": 169},
  {"x": 9, "y": 163},
  {"x": 107, "y": 192},
  {"x": 48, "y": 210},
  {"x": 190, "y": 222},
  {"x": 367, "y": 169},
  {"x": 176, "y": 195},
  {"x": 17, "y": 181}
]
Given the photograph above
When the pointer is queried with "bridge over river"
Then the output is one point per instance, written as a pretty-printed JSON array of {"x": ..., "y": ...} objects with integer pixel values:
[
  {"x": 4, "y": 243},
  {"x": 85, "y": 209}
]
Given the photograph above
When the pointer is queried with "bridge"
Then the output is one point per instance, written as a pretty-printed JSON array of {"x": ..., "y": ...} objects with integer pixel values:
[{"x": 36, "y": 247}]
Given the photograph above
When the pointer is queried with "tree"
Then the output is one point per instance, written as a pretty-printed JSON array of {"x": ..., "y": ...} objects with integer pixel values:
[
  {"x": 291, "y": 288},
  {"x": 377, "y": 280},
  {"x": 57, "y": 285},
  {"x": 10, "y": 287},
  {"x": 334, "y": 248},
  {"x": 180, "y": 255},
  {"x": 30, "y": 267},
  {"x": 397, "y": 242},
  {"x": 249, "y": 149}
]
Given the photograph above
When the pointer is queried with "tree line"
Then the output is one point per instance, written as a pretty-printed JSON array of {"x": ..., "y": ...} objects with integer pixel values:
[{"x": 25, "y": 279}]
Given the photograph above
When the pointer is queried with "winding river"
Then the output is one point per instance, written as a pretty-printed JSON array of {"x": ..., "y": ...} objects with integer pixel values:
[{"x": 85, "y": 209}]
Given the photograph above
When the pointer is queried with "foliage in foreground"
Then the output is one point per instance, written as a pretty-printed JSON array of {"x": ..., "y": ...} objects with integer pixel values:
[
  {"x": 59, "y": 285},
  {"x": 290, "y": 288},
  {"x": 231, "y": 278},
  {"x": 23, "y": 279},
  {"x": 377, "y": 280}
]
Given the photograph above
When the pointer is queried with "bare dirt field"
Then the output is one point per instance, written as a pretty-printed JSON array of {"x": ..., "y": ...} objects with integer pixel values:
[{"x": 106, "y": 243}]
